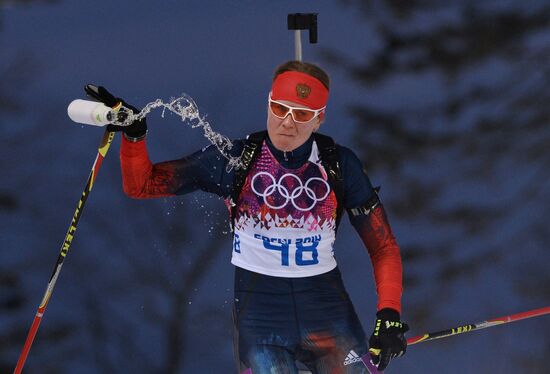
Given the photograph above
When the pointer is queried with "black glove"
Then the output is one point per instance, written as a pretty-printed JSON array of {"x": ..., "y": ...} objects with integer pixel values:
[
  {"x": 136, "y": 130},
  {"x": 388, "y": 339}
]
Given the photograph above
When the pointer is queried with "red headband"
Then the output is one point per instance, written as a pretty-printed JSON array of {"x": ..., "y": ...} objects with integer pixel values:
[{"x": 300, "y": 88}]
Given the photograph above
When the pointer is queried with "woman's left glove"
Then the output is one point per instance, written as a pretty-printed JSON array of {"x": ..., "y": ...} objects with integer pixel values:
[
  {"x": 133, "y": 132},
  {"x": 388, "y": 339}
]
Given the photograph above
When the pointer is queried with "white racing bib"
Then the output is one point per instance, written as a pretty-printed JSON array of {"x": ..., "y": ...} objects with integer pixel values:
[{"x": 285, "y": 219}]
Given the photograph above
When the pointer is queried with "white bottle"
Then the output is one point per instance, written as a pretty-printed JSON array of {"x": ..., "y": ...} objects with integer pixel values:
[{"x": 90, "y": 113}]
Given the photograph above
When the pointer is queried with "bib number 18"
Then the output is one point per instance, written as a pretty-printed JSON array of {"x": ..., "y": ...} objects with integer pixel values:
[{"x": 306, "y": 250}]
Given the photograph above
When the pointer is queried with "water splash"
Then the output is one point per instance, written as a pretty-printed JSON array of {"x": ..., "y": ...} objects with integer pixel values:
[{"x": 188, "y": 111}]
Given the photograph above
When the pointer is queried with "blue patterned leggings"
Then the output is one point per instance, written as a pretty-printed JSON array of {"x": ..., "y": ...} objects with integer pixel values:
[{"x": 282, "y": 321}]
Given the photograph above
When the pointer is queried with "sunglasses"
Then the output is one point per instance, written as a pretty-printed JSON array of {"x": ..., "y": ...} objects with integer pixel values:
[{"x": 299, "y": 115}]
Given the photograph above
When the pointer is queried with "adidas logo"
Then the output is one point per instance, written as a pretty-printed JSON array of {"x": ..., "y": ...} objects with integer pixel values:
[{"x": 351, "y": 358}]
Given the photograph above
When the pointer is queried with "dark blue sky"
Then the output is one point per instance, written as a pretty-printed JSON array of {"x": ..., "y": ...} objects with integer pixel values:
[{"x": 222, "y": 54}]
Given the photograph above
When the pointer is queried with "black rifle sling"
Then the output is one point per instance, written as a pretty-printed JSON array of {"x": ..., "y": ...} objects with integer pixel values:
[
  {"x": 328, "y": 155},
  {"x": 330, "y": 159}
]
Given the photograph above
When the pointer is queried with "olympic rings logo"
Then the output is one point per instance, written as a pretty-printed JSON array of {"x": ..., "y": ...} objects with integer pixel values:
[{"x": 286, "y": 194}]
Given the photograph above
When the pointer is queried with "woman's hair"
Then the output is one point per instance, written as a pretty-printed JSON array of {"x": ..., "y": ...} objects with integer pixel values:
[{"x": 304, "y": 67}]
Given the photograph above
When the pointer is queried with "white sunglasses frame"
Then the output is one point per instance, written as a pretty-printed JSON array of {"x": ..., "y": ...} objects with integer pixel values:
[{"x": 291, "y": 109}]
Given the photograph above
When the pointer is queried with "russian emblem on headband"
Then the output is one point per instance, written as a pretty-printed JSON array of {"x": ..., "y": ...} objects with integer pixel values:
[{"x": 303, "y": 90}]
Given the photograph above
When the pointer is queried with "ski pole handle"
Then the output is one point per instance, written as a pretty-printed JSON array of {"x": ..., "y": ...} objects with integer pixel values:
[{"x": 468, "y": 328}]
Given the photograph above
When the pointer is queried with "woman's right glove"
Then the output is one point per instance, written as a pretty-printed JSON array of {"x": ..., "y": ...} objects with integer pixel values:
[
  {"x": 388, "y": 339},
  {"x": 134, "y": 132}
]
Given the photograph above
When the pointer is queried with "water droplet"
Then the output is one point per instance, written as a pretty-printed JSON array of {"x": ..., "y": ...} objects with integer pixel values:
[{"x": 185, "y": 107}]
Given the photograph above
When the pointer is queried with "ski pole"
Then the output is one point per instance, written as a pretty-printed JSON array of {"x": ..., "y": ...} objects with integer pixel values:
[
  {"x": 478, "y": 326},
  {"x": 104, "y": 145},
  {"x": 460, "y": 330}
]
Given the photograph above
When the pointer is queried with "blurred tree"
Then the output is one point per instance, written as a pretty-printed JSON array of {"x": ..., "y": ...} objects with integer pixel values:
[
  {"x": 123, "y": 303},
  {"x": 15, "y": 74},
  {"x": 130, "y": 295},
  {"x": 159, "y": 283},
  {"x": 454, "y": 119},
  {"x": 12, "y": 3}
]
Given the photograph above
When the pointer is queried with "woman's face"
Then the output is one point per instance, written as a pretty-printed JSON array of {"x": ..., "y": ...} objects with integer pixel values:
[{"x": 287, "y": 134}]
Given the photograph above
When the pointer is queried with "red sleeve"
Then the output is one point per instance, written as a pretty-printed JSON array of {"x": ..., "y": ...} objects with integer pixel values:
[
  {"x": 375, "y": 231},
  {"x": 140, "y": 178}
]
